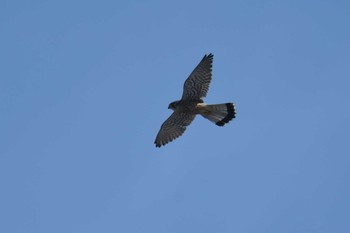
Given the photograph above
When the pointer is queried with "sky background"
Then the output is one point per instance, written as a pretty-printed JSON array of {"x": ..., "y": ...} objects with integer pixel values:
[{"x": 85, "y": 86}]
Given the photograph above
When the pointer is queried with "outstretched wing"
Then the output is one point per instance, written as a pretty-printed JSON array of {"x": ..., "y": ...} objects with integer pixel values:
[
  {"x": 173, "y": 127},
  {"x": 197, "y": 84}
]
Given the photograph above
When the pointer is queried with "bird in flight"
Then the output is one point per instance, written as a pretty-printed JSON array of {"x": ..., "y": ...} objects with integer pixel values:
[{"x": 185, "y": 110}]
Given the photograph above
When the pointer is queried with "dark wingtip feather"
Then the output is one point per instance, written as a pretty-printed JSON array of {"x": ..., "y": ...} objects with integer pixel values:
[
  {"x": 209, "y": 56},
  {"x": 157, "y": 144}
]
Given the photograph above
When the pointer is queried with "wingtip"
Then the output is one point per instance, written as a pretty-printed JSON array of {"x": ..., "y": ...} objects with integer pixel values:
[{"x": 208, "y": 56}]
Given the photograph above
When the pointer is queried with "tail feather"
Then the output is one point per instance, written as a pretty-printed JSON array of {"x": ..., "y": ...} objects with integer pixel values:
[{"x": 220, "y": 114}]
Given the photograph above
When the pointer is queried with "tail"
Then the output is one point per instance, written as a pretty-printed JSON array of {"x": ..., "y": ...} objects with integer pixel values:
[{"x": 220, "y": 114}]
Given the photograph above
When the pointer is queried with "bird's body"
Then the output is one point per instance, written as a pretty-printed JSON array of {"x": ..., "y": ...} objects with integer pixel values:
[
  {"x": 186, "y": 106},
  {"x": 191, "y": 104}
]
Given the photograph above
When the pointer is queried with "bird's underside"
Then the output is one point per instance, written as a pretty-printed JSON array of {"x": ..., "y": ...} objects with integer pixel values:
[{"x": 191, "y": 104}]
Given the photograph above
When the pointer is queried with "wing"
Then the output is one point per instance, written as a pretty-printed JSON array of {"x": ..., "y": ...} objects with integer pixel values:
[
  {"x": 197, "y": 84},
  {"x": 173, "y": 127}
]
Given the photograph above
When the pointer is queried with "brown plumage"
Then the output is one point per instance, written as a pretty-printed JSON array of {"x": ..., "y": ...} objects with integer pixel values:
[{"x": 185, "y": 110}]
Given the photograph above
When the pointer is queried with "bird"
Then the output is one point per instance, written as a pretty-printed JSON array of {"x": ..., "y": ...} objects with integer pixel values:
[{"x": 192, "y": 103}]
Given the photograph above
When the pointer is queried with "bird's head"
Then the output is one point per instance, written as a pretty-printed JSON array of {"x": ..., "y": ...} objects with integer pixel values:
[{"x": 173, "y": 105}]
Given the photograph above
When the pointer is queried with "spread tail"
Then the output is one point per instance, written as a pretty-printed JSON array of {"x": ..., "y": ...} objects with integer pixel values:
[{"x": 220, "y": 114}]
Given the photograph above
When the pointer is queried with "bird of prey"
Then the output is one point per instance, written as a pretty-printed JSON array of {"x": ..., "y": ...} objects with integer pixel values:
[{"x": 185, "y": 110}]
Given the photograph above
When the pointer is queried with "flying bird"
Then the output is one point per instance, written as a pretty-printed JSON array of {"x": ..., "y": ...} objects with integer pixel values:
[{"x": 192, "y": 103}]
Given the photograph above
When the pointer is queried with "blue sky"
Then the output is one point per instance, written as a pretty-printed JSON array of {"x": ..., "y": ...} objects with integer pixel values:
[{"x": 84, "y": 88}]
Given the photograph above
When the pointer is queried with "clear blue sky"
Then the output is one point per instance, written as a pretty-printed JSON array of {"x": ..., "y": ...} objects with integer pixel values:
[{"x": 84, "y": 88}]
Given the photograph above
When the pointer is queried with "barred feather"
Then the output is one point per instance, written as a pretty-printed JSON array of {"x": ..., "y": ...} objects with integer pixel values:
[{"x": 220, "y": 114}]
